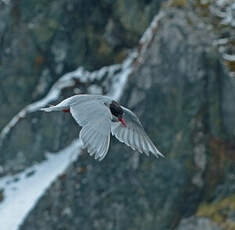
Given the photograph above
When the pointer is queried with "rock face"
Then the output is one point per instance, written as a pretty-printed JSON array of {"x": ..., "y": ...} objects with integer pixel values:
[
  {"x": 43, "y": 40},
  {"x": 182, "y": 93},
  {"x": 197, "y": 224},
  {"x": 40, "y": 41},
  {"x": 177, "y": 92}
]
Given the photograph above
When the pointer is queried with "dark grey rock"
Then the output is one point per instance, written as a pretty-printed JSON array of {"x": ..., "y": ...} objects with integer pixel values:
[
  {"x": 179, "y": 89},
  {"x": 179, "y": 86},
  {"x": 42, "y": 40},
  {"x": 197, "y": 223}
]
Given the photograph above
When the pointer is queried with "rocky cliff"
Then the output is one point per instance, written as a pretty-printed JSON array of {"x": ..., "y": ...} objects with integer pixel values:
[{"x": 179, "y": 83}]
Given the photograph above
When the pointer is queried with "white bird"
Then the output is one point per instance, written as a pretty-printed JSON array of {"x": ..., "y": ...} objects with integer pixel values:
[{"x": 99, "y": 115}]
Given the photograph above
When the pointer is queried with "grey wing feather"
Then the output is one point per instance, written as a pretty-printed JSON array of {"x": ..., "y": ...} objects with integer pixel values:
[
  {"x": 96, "y": 143},
  {"x": 134, "y": 135},
  {"x": 95, "y": 118}
]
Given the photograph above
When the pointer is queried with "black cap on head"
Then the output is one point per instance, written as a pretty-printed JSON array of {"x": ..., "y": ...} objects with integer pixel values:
[{"x": 116, "y": 109}]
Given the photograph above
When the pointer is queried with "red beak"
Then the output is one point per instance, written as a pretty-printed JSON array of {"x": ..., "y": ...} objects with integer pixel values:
[{"x": 122, "y": 121}]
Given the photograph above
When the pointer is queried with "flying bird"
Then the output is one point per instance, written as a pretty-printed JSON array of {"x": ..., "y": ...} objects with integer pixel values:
[{"x": 101, "y": 115}]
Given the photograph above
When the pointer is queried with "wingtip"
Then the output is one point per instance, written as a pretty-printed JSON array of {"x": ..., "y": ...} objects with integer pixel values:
[
  {"x": 100, "y": 158},
  {"x": 158, "y": 154}
]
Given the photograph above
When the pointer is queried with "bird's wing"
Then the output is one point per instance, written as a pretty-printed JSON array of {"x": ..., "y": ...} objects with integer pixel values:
[
  {"x": 95, "y": 119},
  {"x": 133, "y": 135}
]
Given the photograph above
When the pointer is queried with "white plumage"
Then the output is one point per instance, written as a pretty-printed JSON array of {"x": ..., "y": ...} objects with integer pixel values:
[{"x": 99, "y": 116}]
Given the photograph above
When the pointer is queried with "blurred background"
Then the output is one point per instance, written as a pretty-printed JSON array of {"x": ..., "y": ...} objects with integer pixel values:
[{"x": 171, "y": 62}]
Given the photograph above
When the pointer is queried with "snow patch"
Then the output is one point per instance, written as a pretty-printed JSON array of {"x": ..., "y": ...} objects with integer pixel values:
[
  {"x": 229, "y": 57},
  {"x": 149, "y": 33},
  {"x": 224, "y": 9},
  {"x": 120, "y": 79},
  {"x": 22, "y": 191}
]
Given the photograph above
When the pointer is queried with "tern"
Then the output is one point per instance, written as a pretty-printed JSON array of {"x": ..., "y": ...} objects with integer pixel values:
[{"x": 101, "y": 115}]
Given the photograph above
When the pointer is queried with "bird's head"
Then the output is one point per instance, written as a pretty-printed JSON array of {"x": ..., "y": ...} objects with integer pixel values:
[{"x": 117, "y": 111}]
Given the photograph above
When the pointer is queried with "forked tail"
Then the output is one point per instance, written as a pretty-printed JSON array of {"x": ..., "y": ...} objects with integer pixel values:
[
  {"x": 58, "y": 107},
  {"x": 49, "y": 109}
]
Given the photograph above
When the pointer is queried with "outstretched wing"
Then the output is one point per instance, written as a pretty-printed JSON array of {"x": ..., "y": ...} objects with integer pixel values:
[
  {"x": 133, "y": 135},
  {"x": 95, "y": 119}
]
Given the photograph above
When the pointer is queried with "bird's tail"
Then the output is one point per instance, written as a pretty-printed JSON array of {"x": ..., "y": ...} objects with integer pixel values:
[
  {"x": 49, "y": 109},
  {"x": 58, "y": 107}
]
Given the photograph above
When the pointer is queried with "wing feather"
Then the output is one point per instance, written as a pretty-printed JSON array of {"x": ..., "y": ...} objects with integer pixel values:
[
  {"x": 95, "y": 119},
  {"x": 133, "y": 135},
  {"x": 131, "y": 140},
  {"x": 127, "y": 137},
  {"x": 105, "y": 148},
  {"x": 138, "y": 139},
  {"x": 137, "y": 142}
]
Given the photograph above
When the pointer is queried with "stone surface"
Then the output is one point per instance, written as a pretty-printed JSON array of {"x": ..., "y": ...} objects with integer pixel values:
[
  {"x": 182, "y": 93},
  {"x": 41, "y": 40},
  {"x": 197, "y": 224},
  {"x": 179, "y": 84}
]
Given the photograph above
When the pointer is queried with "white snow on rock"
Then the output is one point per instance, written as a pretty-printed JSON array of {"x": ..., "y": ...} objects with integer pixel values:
[
  {"x": 224, "y": 9},
  {"x": 149, "y": 33},
  {"x": 229, "y": 57},
  {"x": 120, "y": 79},
  {"x": 22, "y": 191}
]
